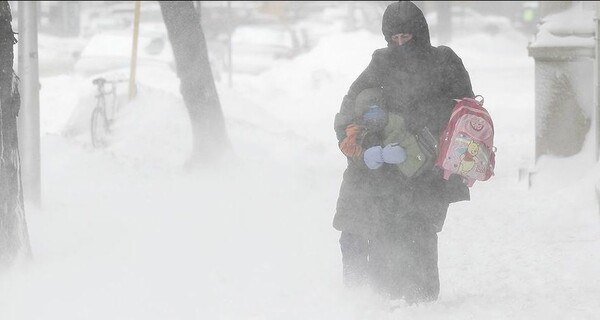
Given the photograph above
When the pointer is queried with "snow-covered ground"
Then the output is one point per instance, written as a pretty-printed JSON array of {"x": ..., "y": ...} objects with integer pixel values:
[{"x": 127, "y": 233}]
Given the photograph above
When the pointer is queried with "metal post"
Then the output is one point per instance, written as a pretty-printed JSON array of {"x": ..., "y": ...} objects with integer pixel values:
[
  {"x": 199, "y": 9},
  {"x": 132, "y": 70},
  {"x": 64, "y": 6},
  {"x": 594, "y": 126},
  {"x": 229, "y": 44},
  {"x": 29, "y": 115}
]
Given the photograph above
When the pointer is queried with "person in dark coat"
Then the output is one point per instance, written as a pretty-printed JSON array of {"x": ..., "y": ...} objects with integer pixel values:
[{"x": 389, "y": 223}]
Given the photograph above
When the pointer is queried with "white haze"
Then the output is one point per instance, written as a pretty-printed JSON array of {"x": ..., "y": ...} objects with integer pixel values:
[{"x": 127, "y": 233}]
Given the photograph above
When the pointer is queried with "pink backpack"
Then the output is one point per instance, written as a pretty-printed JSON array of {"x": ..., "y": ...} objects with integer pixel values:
[{"x": 467, "y": 143}]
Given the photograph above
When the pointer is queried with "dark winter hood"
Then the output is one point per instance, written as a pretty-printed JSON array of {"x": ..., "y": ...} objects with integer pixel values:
[{"x": 405, "y": 17}]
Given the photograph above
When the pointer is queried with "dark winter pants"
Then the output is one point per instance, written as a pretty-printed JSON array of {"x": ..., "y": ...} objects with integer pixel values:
[
  {"x": 405, "y": 266},
  {"x": 401, "y": 264},
  {"x": 355, "y": 258}
]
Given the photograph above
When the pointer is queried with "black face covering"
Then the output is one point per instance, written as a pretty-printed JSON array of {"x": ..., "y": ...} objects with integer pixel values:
[
  {"x": 410, "y": 46},
  {"x": 410, "y": 56}
]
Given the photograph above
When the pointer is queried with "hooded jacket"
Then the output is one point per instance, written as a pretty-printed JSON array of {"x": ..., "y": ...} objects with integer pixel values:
[{"x": 419, "y": 81}]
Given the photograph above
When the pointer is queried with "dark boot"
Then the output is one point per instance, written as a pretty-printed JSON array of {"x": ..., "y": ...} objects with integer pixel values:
[{"x": 355, "y": 252}]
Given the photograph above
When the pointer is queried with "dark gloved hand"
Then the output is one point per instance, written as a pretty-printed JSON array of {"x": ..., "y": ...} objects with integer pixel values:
[{"x": 350, "y": 146}]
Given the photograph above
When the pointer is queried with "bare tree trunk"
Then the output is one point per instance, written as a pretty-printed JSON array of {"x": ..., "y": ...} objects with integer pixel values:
[
  {"x": 210, "y": 140},
  {"x": 14, "y": 237}
]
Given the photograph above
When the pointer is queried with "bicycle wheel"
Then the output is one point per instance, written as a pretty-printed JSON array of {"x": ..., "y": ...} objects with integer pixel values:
[{"x": 99, "y": 128}]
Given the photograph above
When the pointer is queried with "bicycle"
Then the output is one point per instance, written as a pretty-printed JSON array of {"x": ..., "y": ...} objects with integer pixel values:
[{"x": 103, "y": 115}]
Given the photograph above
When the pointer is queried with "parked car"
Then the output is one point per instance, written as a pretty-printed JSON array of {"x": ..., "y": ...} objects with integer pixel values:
[
  {"x": 255, "y": 48},
  {"x": 467, "y": 21},
  {"x": 117, "y": 16},
  {"x": 112, "y": 50}
]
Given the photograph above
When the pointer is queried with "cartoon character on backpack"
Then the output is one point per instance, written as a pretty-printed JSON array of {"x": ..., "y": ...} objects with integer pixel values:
[{"x": 468, "y": 159}]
